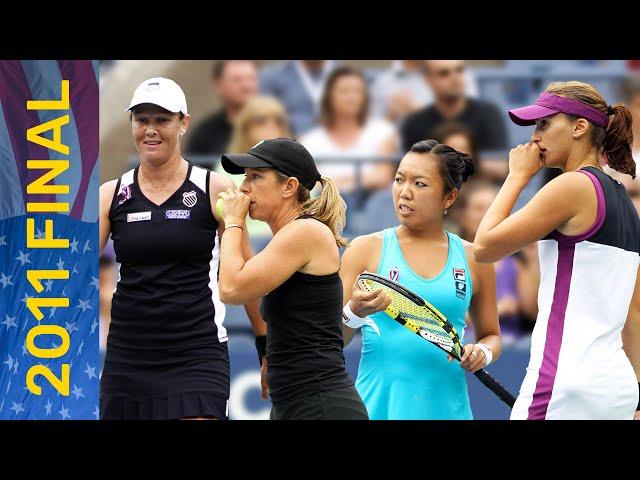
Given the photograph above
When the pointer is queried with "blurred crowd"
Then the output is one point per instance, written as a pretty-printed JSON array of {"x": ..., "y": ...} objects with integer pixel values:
[{"x": 357, "y": 125}]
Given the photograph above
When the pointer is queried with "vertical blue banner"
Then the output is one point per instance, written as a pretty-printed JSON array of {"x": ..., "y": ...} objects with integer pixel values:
[{"x": 49, "y": 247}]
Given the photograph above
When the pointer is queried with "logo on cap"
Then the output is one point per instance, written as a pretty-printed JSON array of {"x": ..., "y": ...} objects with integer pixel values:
[{"x": 153, "y": 86}]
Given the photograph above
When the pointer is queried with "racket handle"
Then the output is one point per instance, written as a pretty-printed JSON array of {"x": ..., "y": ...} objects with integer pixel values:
[{"x": 496, "y": 387}]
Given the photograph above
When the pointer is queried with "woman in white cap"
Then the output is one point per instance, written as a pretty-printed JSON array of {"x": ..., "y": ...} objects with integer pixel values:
[
  {"x": 586, "y": 342},
  {"x": 167, "y": 352},
  {"x": 297, "y": 273}
]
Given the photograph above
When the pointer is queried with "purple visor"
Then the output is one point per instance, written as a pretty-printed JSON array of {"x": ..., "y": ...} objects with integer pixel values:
[{"x": 549, "y": 104}]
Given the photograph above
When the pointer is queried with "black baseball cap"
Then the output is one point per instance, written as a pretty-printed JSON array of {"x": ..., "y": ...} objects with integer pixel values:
[{"x": 284, "y": 154}]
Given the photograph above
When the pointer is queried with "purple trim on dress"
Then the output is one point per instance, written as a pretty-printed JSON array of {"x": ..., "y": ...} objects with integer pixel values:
[
  {"x": 555, "y": 330},
  {"x": 600, "y": 216}
]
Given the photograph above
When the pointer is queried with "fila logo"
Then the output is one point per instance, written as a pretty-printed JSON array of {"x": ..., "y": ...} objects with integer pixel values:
[
  {"x": 177, "y": 214},
  {"x": 394, "y": 274},
  {"x": 460, "y": 279},
  {"x": 138, "y": 217},
  {"x": 189, "y": 198}
]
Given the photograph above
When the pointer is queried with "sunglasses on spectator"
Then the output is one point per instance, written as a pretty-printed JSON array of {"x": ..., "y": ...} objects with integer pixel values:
[{"x": 263, "y": 119}]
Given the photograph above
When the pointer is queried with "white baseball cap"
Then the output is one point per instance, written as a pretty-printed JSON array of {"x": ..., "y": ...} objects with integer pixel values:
[{"x": 160, "y": 91}]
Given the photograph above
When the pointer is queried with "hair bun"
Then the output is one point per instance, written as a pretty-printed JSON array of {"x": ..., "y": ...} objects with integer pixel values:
[{"x": 469, "y": 167}]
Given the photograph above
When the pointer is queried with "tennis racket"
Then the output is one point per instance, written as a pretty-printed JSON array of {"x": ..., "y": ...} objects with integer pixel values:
[{"x": 422, "y": 318}]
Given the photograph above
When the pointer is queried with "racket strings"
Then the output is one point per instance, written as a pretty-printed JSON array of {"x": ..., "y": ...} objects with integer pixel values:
[{"x": 418, "y": 317}]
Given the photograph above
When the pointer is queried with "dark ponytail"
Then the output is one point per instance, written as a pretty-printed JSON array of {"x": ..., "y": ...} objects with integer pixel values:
[
  {"x": 618, "y": 139},
  {"x": 455, "y": 166}
]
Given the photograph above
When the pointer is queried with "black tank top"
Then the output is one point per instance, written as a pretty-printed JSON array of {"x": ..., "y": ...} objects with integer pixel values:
[
  {"x": 167, "y": 293},
  {"x": 304, "y": 337}
]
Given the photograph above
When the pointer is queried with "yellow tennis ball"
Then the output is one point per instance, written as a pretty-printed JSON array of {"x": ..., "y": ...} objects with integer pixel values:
[{"x": 219, "y": 207}]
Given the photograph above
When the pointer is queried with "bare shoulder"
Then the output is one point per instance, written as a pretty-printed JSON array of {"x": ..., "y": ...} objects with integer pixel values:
[
  {"x": 108, "y": 188},
  {"x": 219, "y": 183},
  {"x": 366, "y": 243},
  {"x": 309, "y": 231},
  {"x": 364, "y": 252},
  {"x": 475, "y": 266},
  {"x": 570, "y": 183}
]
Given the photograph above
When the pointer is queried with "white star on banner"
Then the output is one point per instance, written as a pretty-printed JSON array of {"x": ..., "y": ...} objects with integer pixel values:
[
  {"x": 77, "y": 391},
  {"x": 2, "y": 240},
  {"x": 65, "y": 413},
  {"x": 9, "y": 322},
  {"x": 6, "y": 280},
  {"x": 49, "y": 284},
  {"x": 48, "y": 406},
  {"x": 23, "y": 258},
  {"x": 95, "y": 281},
  {"x": 86, "y": 247},
  {"x": 80, "y": 347},
  {"x": 9, "y": 362},
  {"x": 52, "y": 312},
  {"x": 39, "y": 234},
  {"x": 96, "y": 412},
  {"x": 93, "y": 326},
  {"x": 70, "y": 327},
  {"x": 91, "y": 371},
  {"x": 84, "y": 305},
  {"x": 60, "y": 264},
  {"x": 17, "y": 408},
  {"x": 74, "y": 245},
  {"x": 24, "y": 300}
]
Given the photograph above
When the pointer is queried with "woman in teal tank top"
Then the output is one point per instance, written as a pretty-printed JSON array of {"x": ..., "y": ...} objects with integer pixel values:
[{"x": 400, "y": 375}]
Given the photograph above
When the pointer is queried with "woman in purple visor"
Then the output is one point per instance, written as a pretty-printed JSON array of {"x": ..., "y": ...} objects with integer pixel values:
[{"x": 585, "y": 347}]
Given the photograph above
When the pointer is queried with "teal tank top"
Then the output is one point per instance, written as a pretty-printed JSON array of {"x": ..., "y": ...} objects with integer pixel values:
[{"x": 402, "y": 376}]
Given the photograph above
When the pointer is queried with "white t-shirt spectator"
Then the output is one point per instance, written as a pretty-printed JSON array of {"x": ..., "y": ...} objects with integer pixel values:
[{"x": 375, "y": 133}]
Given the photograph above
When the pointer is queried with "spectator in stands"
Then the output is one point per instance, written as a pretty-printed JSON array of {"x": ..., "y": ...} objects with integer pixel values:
[
  {"x": 298, "y": 84},
  {"x": 401, "y": 90},
  {"x": 487, "y": 124},
  {"x": 235, "y": 82},
  {"x": 347, "y": 131},
  {"x": 631, "y": 98},
  {"x": 517, "y": 276},
  {"x": 262, "y": 118},
  {"x": 459, "y": 137}
]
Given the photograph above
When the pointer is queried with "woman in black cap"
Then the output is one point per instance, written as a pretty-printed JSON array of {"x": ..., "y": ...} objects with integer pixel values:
[
  {"x": 167, "y": 352},
  {"x": 296, "y": 273}
]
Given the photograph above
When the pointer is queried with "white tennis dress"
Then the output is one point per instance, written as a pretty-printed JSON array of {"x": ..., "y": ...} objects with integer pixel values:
[{"x": 577, "y": 368}]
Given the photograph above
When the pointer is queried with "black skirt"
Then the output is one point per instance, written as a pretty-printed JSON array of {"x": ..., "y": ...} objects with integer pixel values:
[{"x": 165, "y": 384}]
